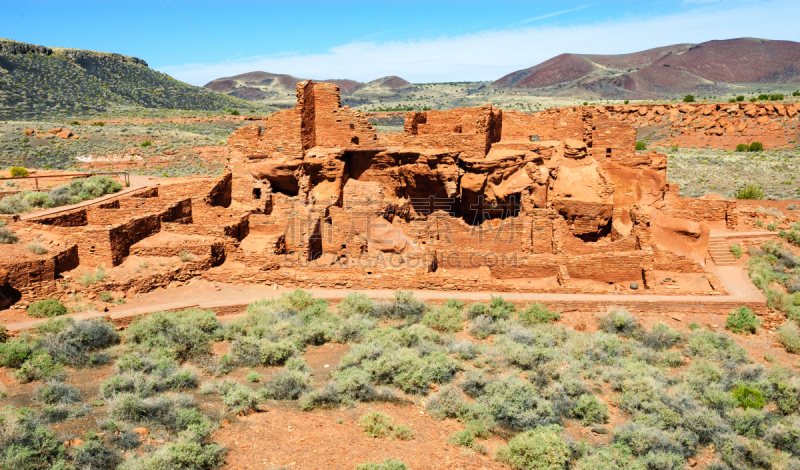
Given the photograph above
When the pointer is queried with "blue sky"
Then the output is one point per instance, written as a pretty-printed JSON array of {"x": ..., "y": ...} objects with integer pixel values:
[{"x": 421, "y": 41}]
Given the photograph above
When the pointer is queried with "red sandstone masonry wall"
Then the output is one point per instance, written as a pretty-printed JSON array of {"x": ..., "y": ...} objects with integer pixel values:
[
  {"x": 521, "y": 126},
  {"x": 338, "y": 127},
  {"x": 700, "y": 210},
  {"x": 609, "y": 267}
]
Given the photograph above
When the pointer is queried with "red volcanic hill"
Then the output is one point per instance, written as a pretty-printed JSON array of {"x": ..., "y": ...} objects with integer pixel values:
[{"x": 664, "y": 71}]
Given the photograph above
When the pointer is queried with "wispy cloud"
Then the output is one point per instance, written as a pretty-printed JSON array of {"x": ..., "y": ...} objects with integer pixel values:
[
  {"x": 556, "y": 13},
  {"x": 488, "y": 55}
]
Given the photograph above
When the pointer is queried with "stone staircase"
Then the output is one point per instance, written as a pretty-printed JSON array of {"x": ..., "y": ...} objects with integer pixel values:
[{"x": 720, "y": 251}]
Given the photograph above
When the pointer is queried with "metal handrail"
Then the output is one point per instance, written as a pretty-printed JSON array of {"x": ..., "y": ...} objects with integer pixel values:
[{"x": 127, "y": 177}]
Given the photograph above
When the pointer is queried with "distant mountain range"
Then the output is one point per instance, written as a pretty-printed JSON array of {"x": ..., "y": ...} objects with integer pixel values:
[
  {"x": 43, "y": 81},
  {"x": 279, "y": 87},
  {"x": 663, "y": 72}
]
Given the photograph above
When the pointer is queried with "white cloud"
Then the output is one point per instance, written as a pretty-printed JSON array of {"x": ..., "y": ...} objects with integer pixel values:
[
  {"x": 488, "y": 55},
  {"x": 556, "y": 13}
]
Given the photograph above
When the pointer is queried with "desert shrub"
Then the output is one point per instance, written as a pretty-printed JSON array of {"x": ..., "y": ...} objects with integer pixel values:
[
  {"x": 14, "y": 352},
  {"x": 286, "y": 385},
  {"x": 661, "y": 337},
  {"x": 75, "y": 343},
  {"x": 253, "y": 376},
  {"x": 275, "y": 354},
  {"x": 789, "y": 337},
  {"x": 537, "y": 313},
  {"x": 643, "y": 439},
  {"x": 187, "y": 333},
  {"x": 620, "y": 322},
  {"x": 515, "y": 404},
  {"x": 38, "y": 366},
  {"x": 445, "y": 319},
  {"x": 58, "y": 393},
  {"x": 188, "y": 453},
  {"x": 590, "y": 410},
  {"x": 464, "y": 350},
  {"x": 7, "y": 237},
  {"x": 46, "y": 308},
  {"x": 376, "y": 424},
  {"x": 748, "y": 422},
  {"x": 477, "y": 309},
  {"x": 94, "y": 455},
  {"x": 356, "y": 304},
  {"x": 748, "y": 398},
  {"x": 740, "y": 98},
  {"x": 27, "y": 445},
  {"x": 641, "y": 146},
  {"x": 19, "y": 172},
  {"x": 500, "y": 308},
  {"x": 402, "y": 432},
  {"x": 785, "y": 435},
  {"x": 750, "y": 191},
  {"x": 743, "y": 320},
  {"x": 88, "y": 278},
  {"x": 446, "y": 403},
  {"x": 186, "y": 256},
  {"x": 483, "y": 326},
  {"x": 240, "y": 398},
  {"x": 463, "y": 438},
  {"x": 125, "y": 440},
  {"x": 688, "y": 99},
  {"x": 742, "y": 148},
  {"x": 756, "y": 147},
  {"x": 37, "y": 248},
  {"x": 614, "y": 456},
  {"x": 404, "y": 307},
  {"x": 736, "y": 251},
  {"x": 539, "y": 449},
  {"x": 388, "y": 464}
]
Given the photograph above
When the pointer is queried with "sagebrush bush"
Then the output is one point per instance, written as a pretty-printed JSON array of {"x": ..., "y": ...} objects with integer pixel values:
[
  {"x": 46, "y": 308},
  {"x": 539, "y": 449},
  {"x": 743, "y": 320},
  {"x": 56, "y": 392},
  {"x": 188, "y": 333},
  {"x": 286, "y": 385},
  {"x": 446, "y": 403},
  {"x": 620, "y": 322},
  {"x": 590, "y": 410},
  {"x": 94, "y": 455},
  {"x": 241, "y": 399},
  {"x": 537, "y": 313},
  {"x": 736, "y": 251},
  {"x": 662, "y": 337},
  {"x": 789, "y": 337},
  {"x": 641, "y": 146},
  {"x": 356, "y": 304},
  {"x": 79, "y": 342},
  {"x": 376, "y": 424},
  {"x": 7, "y": 237},
  {"x": 445, "y": 319},
  {"x": 388, "y": 464}
]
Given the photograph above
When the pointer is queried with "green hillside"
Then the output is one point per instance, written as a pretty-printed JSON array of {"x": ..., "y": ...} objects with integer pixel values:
[{"x": 37, "y": 81}]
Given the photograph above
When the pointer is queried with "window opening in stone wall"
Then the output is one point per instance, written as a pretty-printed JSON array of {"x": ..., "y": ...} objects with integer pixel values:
[
  {"x": 256, "y": 193},
  {"x": 352, "y": 126},
  {"x": 534, "y": 138},
  {"x": 354, "y": 140}
]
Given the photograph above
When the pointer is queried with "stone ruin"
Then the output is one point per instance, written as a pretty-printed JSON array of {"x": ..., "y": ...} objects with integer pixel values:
[{"x": 472, "y": 199}]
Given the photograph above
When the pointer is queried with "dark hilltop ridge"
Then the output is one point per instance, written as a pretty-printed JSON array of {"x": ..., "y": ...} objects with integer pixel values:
[{"x": 38, "y": 81}]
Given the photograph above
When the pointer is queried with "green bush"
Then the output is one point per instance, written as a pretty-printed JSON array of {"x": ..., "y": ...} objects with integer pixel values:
[
  {"x": 789, "y": 337},
  {"x": 743, "y": 320},
  {"x": 538, "y": 449},
  {"x": 537, "y": 313},
  {"x": 688, "y": 99},
  {"x": 641, "y": 146},
  {"x": 356, "y": 304},
  {"x": 187, "y": 333},
  {"x": 253, "y": 376},
  {"x": 26, "y": 444},
  {"x": 286, "y": 385},
  {"x": 376, "y": 424},
  {"x": 446, "y": 403},
  {"x": 388, "y": 464},
  {"x": 748, "y": 398},
  {"x": 445, "y": 319},
  {"x": 620, "y": 322},
  {"x": 499, "y": 308},
  {"x": 589, "y": 409},
  {"x": 736, "y": 251},
  {"x": 742, "y": 148},
  {"x": 756, "y": 147},
  {"x": 47, "y": 308},
  {"x": 39, "y": 366},
  {"x": 239, "y": 398},
  {"x": 89, "y": 278},
  {"x": 749, "y": 192},
  {"x": 19, "y": 172},
  {"x": 740, "y": 98},
  {"x": 402, "y": 432}
]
